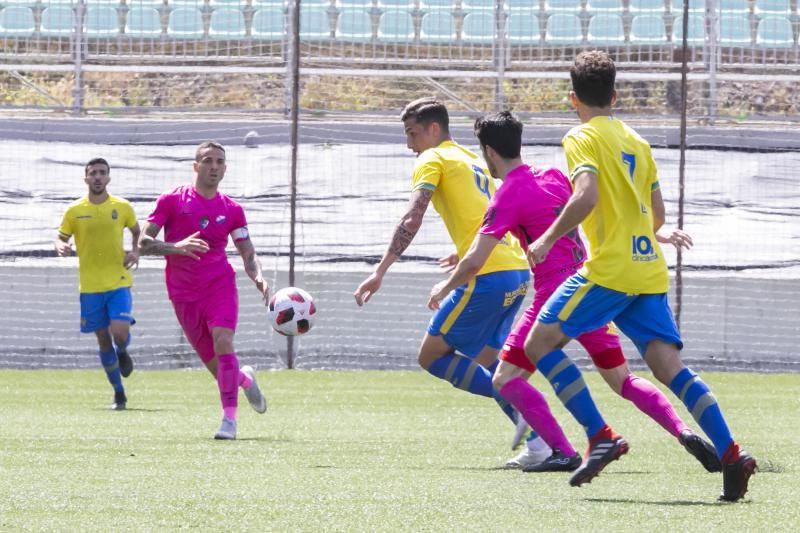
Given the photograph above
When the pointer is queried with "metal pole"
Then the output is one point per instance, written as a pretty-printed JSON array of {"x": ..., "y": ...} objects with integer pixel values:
[
  {"x": 295, "y": 108},
  {"x": 499, "y": 54},
  {"x": 77, "y": 44},
  {"x": 714, "y": 52},
  {"x": 682, "y": 163}
]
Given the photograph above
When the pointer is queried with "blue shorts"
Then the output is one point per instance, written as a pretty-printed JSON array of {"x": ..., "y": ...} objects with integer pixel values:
[
  {"x": 581, "y": 306},
  {"x": 98, "y": 309},
  {"x": 481, "y": 312}
]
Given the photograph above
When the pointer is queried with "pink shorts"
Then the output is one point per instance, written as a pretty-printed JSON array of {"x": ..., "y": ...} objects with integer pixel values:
[
  {"x": 218, "y": 308},
  {"x": 602, "y": 344}
]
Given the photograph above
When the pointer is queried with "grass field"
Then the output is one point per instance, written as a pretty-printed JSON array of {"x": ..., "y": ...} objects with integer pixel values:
[{"x": 362, "y": 451}]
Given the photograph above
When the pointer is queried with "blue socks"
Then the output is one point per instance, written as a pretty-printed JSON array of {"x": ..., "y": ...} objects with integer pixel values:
[
  {"x": 570, "y": 388},
  {"x": 111, "y": 366},
  {"x": 697, "y": 398},
  {"x": 463, "y": 373}
]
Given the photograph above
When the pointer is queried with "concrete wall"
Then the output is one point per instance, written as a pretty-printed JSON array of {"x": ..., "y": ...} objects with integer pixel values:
[{"x": 728, "y": 323}]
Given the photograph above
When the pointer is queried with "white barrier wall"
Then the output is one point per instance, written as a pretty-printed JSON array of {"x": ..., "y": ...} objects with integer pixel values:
[{"x": 39, "y": 317}]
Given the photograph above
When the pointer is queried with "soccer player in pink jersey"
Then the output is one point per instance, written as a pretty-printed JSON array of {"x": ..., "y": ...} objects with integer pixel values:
[
  {"x": 526, "y": 204},
  {"x": 201, "y": 283}
]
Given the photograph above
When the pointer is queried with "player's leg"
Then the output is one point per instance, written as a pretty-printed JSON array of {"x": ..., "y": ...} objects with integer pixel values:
[
  {"x": 441, "y": 360},
  {"x": 222, "y": 315},
  {"x": 466, "y": 320},
  {"x": 191, "y": 316},
  {"x": 604, "y": 348},
  {"x": 94, "y": 319},
  {"x": 528, "y": 402},
  {"x": 511, "y": 379},
  {"x": 650, "y": 325},
  {"x": 577, "y": 306},
  {"x": 120, "y": 304},
  {"x": 227, "y": 370},
  {"x": 108, "y": 358}
]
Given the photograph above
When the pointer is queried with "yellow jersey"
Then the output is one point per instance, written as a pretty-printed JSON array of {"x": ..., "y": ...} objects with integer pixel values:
[
  {"x": 98, "y": 239},
  {"x": 462, "y": 188},
  {"x": 623, "y": 252}
]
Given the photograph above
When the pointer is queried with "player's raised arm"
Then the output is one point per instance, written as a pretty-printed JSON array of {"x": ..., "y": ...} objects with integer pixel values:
[
  {"x": 580, "y": 204},
  {"x": 477, "y": 255},
  {"x": 251, "y": 263},
  {"x": 404, "y": 233},
  {"x": 189, "y": 247}
]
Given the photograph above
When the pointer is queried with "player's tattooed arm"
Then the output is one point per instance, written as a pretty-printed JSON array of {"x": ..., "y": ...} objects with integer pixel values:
[
  {"x": 403, "y": 235},
  {"x": 252, "y": 265},
  {"x": 191, "y": 246},
  {"x": 408, "y": 227}
]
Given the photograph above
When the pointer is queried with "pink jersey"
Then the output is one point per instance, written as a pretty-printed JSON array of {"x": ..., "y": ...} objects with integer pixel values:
[
  {"x": 526, "y": 204},
  {"x": 181, "y": 213}
]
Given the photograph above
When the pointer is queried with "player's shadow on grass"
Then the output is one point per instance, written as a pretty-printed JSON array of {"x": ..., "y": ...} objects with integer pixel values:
[
  {"x": 265, "y": 439},
  {"x": 134, "y": 409},
  {"x": 678, "y": 503}
]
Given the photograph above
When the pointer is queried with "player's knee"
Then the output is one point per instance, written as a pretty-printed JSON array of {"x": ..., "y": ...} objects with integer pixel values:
[
  {"x": 664, "y": 360},
  {"x": 543, "y": 339},
  {"x": 223, "y": 340},
  {"x": 533, "y": 348},
  {"x": 120, "y": 337},
  {"x": 498, "y": 381},
  {"x": 425, "y": 360},
  {"x": 103, "y": 340}
]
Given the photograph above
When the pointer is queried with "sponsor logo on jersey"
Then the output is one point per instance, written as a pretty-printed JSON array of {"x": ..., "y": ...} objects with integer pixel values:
[{"x": 642, "y": 249}]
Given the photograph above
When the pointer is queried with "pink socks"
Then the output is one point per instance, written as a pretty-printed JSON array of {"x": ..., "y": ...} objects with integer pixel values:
[
  {"x": 244, "y": 381},
  {"x": 533, "y": 407},
  {"x": 652, "y": 402},
  {"x": 228, "y": 382}
]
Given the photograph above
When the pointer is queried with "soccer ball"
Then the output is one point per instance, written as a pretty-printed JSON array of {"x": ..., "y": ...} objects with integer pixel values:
[{"x": 292, "y": 311}]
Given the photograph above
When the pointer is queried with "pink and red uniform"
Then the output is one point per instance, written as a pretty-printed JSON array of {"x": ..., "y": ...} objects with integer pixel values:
[
  {"x": 526, "y": 204},
  {"x": 203, "y": 293}
]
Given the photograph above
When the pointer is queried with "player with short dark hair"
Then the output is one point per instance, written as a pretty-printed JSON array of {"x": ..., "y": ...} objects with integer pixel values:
[
  {"x": 475, "y": 317},
  {"x": 617, "y": 199},
  {"x": 527, "y": 202},
  {"x": 97, "y": 222},
  {"x": 198, "y": 220}
]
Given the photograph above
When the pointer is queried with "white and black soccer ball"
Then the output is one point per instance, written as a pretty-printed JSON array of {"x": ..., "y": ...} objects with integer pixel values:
[{"x": 292, "y": 311}]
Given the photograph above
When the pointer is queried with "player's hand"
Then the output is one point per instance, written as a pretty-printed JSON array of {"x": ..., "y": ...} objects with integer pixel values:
[
  {"x": 679, "y": 239},
  {"x": 191, "y": 246},
  {"x": 263, "y": 288},
  {"x": 131, "y": 260},
  {"x": 63, "y": 249},
  {"x": 448, "y": 263},
  {"x": 538, "y": 250},
  {"x": 367, "y": 288},
  {"x": 437, "y": 295}
]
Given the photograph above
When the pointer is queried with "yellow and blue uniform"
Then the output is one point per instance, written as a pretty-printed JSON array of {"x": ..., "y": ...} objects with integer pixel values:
[
  {"x": 625, "y": 278},
  {"x": 104, "y": 281},
  {"x": 625, "y": 254},
  {"x": 482, "y": 311}
]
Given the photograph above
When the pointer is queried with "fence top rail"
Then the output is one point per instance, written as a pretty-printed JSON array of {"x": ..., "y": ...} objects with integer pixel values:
[{"x": 323, "y": 71}]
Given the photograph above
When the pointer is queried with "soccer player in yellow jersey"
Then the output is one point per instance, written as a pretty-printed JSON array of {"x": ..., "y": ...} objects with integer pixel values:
[
  {"x": 97, "y": 222},
  {"x": 475, "y": 318},
  {"x": 616, "y": 197}
]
